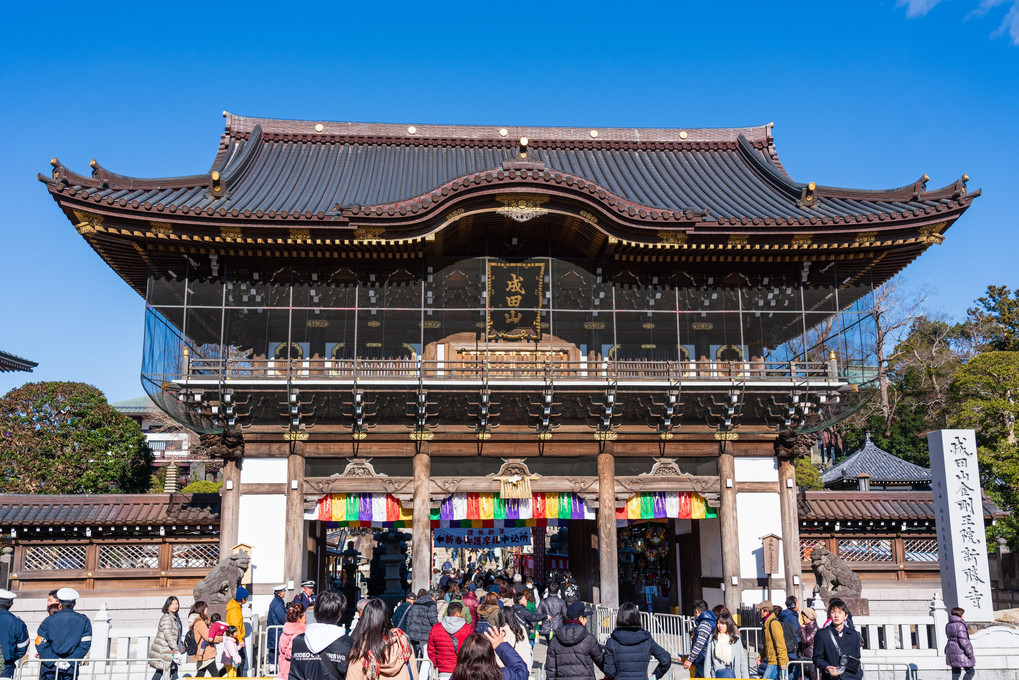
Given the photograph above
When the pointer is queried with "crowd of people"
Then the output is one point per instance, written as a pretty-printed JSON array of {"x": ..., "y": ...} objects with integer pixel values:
[{"x": 480, "y": 627}]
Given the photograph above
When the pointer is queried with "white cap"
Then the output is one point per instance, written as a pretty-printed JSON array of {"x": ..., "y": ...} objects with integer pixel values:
[
  {"x": 516, "y": 578},
  {"x": 308, "y": 584},
  {"x": 279, "y": 588},
  {"x": 67, "y": 595},
  {"x": 7, "y": 595}
]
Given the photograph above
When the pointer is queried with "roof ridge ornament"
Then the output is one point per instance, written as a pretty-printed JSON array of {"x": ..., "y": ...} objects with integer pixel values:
[{"x": 522, "y": 207}]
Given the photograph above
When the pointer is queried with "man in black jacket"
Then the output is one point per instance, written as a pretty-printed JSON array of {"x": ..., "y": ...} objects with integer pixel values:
[
  {"x": 837, "y": 647},
  {"x": 573, "y": 652},
  {"x": 552, "y": 610},
  {"x": 320, "y": 653},
  {"x": 423, "y": 614},
  {"x": 528, "y": 619}
]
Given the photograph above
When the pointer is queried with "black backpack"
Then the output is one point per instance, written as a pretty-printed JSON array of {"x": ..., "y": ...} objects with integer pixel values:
[
  {"x": 190, "y": 644},
  {"x": 792, "y": 646}
]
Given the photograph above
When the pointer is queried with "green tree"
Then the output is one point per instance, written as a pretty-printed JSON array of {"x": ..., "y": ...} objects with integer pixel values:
[
  {"x": 807, "y": 476},
  {"x": 202, "y": 486},
  {"x": 997, "y": 315},
  {"x": 63, "y": 437},
  {"x": 984, "y": 396}
]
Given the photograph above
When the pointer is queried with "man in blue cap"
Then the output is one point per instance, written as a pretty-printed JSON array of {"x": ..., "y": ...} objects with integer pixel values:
[
  {"x": 13, "y": 634},
  {"x": 66, "y": 636},
  {"x": 277, "y": 616}
]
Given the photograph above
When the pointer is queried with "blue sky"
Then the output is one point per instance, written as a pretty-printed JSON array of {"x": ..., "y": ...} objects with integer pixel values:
[{"x": 863, "y": 94}]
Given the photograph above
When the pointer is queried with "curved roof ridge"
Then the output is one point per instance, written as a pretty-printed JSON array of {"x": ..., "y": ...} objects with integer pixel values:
[
  {"x": 879, "y": 464},
  {"x": 237, "y": 125}
]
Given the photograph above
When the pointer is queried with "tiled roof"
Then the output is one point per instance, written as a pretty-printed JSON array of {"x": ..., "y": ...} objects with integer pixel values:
[
  {"x": 137, "y": 405},
  {"x": 874, "y": 505},
  {"x": 883, "y": 468},
  {"x": 10, "y": 362},
  {"x": 304, "y": 169},
  {"x": 108, "y": 510}
]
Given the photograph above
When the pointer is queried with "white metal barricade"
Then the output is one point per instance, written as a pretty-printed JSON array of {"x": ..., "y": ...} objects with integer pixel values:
[
  {"x": 94, "y": 669},
  {"x": 889, "y": 671},
  {"x": 267, "y": 665}
]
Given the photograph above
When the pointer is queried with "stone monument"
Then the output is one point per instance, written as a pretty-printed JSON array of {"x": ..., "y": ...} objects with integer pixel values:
[{"x": 959, "y": 513}]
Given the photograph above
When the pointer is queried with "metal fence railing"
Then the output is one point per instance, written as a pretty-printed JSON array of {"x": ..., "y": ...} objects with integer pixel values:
[
  {"x": 267, "y": 663},
  {"x": 93, "y": 669}
]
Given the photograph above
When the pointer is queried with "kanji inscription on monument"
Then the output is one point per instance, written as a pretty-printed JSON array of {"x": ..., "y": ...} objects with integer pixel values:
[{"x": 959, "y": 512}]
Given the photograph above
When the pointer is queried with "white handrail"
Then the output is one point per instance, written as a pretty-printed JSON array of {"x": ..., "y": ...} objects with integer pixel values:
[{"x": 90, "y": 668}]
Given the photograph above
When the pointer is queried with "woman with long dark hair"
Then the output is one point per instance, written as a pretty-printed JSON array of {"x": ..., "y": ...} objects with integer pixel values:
[
  {"x": 479, "y": 655},
  {"x": 725, "y": 656},
  {"x": 516, "y": 635},
  {"x": 629, "y": 649},
  {"x": 167, "y": 647},
  {"x": 379, "y": 649},
  {"x": 198, "y": 624}
]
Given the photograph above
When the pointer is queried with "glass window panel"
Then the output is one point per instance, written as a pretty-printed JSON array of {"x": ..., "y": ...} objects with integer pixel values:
[
  {"x": 247, "y": 287},
  {"x": 261, "y": 336},
  {"x": 580, "y": 284},
  {"x": 455, "y": 284},
  {"x": 204, "y": 327},
  {"x": 337, "y": 288},
  {"x": 388, "y": 335},
  {"x": 637, "y": 290},
  {"x": 327, "y": 333},
  {"x": 709, "y": 292},
  {"x": 166, "y": 287},
  {"x": 205, "y": 292},
  {"x": 590, "y": 335},
  {"x": 646, "y": 337}
]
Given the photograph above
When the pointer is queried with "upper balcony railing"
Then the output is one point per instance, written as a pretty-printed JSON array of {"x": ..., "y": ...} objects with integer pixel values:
[{"x": 456, "y": 371}]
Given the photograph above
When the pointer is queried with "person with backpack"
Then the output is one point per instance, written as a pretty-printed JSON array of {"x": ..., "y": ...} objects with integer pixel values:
[
  {"x": 423, "y": 614},
  {"x": 446, "y": 638},
  {"x": 790, "y": 620},
  {"x": 322, "y": 651},
  {"x": 198, "y": 643},
  {"x": 516, "y": 635},
  {"x": 775, "y": 658},
  {"x": 552, "y": 610},
  {"x": 379, "y": 650},
  {"x": 402, "y": 609},
  {"x": 629, "y": 649},
  {"x": 705, "y": 619}
]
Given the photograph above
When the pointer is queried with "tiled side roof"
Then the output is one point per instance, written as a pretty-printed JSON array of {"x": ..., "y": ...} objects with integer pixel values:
[
  {"x": 11, "y": 362},
  {"x": 108, "y": 510},
  {"x": 874, "y": 505},
  {"x": 295, "y": 169},
  {"x": 883, "y": 468}
]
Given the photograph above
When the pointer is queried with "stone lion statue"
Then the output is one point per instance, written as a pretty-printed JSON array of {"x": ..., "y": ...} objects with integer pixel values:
[
  {"x": 221, "y": 583},
  {"x": 834, "y": 577}
]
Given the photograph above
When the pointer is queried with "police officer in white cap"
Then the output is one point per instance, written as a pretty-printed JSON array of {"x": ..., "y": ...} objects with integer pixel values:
[
  {"x": 277, "y": 616},
  {"x": 65, "y": 636},
  {"x": 306, "y": 598},
  {"x": 13, "y": 635}
]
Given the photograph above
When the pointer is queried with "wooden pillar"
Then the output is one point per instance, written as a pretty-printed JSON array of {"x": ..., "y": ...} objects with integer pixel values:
[
  {"x": 729, "y": 527},
  {"x": 608, "y": 553},
  {"x": 421, "y": 539},
  {"x": 294, "y": 546},
  {"x": 230, "y": 505},
  {"x": 790, "y": 526}
]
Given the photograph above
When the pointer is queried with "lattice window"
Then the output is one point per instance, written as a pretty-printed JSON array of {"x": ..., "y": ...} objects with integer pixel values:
[
  {"x": 808, "y": 545},
  {"x": 921, "y": 549},
  {"x": 129, "y": 556},
  {"x": 54, "y": 557},
  {"x": 865, "y": 549},
  {"x": 195, "y": 555}
]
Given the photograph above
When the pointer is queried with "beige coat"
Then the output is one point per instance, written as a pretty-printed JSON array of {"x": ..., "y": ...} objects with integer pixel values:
[
  {"x": 394, "y": 667},
  {"x": 166, "y": 643}
]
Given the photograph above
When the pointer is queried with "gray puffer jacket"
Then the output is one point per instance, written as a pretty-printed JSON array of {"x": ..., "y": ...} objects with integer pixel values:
[
  {"x": 167, "y": 641},
  {"x": 553, "y": 606},
  {"x": 423, "y": 614}
]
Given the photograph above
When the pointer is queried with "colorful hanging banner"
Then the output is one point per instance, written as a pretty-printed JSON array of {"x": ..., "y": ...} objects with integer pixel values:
[
  {"x": 665, "y": 505},
  {"x": 489, "y": 510},
  {"x": 481, "y": 538}
]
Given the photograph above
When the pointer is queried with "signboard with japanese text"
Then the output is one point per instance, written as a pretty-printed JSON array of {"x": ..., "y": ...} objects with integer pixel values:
[
  {"x": 482, "y": 538},
  {"x": 959, "y": 513},
  {"x": 514, "y": 300}
]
